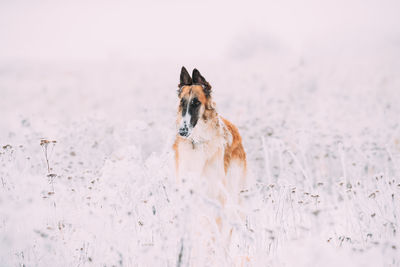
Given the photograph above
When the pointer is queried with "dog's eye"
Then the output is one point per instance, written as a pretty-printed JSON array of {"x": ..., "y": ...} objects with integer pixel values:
[
  {"x": 195, "y": 102},
  {"x": 183, "y": 102}
]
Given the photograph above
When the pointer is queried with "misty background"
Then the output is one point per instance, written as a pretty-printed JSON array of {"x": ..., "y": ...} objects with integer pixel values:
[
  {"x": 313, "y": 87},
  {"x": 180, "y": 31}
]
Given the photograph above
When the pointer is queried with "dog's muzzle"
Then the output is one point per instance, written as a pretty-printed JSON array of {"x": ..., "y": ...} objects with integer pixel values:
[{"x": 184, "y": 131}]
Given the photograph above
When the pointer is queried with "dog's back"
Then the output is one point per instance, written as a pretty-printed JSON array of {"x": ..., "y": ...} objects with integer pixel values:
[{"x": 235, "y": 164}]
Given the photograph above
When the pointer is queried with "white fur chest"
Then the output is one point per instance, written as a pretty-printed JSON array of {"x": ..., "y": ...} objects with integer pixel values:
[
  {"x": 201, "y": 156},
  {"x": 196, "y": 157}
]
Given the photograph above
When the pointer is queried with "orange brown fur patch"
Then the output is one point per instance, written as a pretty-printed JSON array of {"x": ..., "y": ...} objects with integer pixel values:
[
  {"x": 235, "y": 150},
  {"x": 195, "y": 90}
]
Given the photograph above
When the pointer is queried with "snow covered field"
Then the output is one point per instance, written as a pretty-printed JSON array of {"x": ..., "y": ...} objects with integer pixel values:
[{"x": 320, "y": 123}]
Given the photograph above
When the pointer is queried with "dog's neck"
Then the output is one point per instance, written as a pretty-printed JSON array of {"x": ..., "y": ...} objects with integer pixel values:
[
  {"x": 196, "y": 144},
  {"x": 207, "y": 130}
]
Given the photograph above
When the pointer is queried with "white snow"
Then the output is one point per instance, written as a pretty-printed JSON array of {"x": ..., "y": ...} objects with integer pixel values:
[{"x": 313, "y": 89}]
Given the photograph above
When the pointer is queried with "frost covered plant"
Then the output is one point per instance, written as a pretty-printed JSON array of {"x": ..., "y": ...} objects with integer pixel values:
[{"x": 44, "y": 143}]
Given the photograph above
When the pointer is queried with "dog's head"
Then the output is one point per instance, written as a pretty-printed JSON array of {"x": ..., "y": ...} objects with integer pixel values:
[{"x": 195, "y": 101}]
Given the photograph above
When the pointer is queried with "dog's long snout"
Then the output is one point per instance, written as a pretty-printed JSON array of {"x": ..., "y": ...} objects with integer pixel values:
[{"x": 184, "y": 131}]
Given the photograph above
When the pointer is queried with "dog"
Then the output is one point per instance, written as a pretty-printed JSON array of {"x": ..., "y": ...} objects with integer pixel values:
[
  {"x": 208, "y": 147},
  {"x": 206, "y": 143}
]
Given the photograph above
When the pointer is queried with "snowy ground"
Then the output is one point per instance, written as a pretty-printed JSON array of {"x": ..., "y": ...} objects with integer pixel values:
[
  {"x": 321, "y": 129},
  {"x": 323, "y": 147}
]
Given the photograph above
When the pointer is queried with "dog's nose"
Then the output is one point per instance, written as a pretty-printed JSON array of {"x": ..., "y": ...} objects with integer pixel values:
[{"x": 184, "y": 131}]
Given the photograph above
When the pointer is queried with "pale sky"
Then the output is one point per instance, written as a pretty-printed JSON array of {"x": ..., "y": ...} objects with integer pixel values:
[{"x": 210, "y": 30}]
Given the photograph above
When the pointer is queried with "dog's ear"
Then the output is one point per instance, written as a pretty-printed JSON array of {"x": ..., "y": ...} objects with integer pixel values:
[
  {"x": 185, "y": 78},
  {"x": 197, "y": 78}
]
